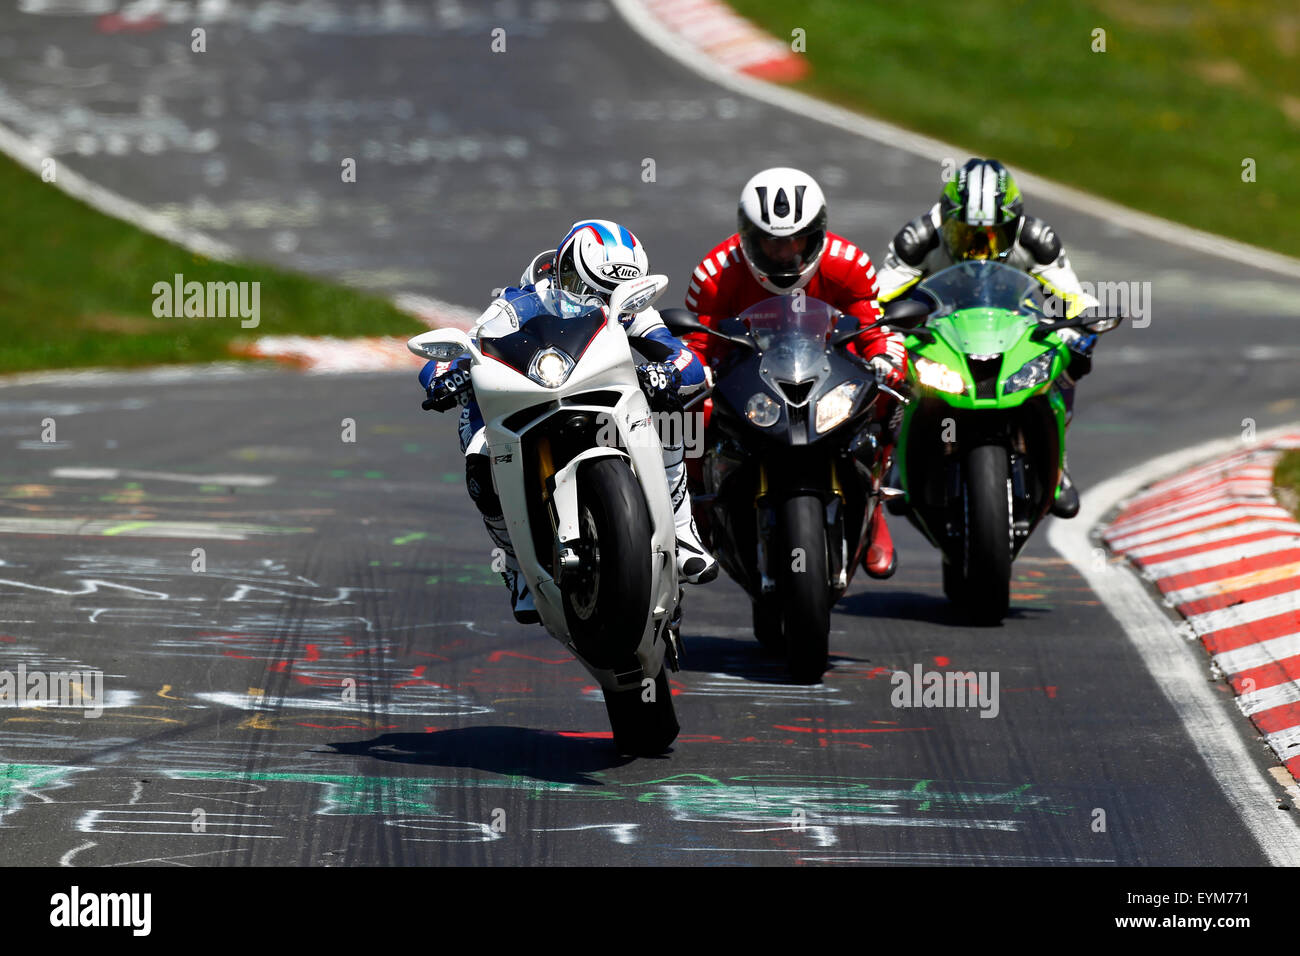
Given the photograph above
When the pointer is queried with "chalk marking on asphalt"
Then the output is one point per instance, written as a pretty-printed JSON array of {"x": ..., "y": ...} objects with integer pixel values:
[
  {"x": 66, "y": 859},
  {"x": 641, "y": 20},
  {"x": 112, "y": 474},
  {"x": 1177, "y": 667},
  {"x": 142, "y": 529}
]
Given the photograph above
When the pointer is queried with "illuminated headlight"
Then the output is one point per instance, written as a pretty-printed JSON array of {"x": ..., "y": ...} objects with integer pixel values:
[
  {"x": 762, "y": 411},
  {"x": 1031, "y": 374},
  {"x": 550, "y": 368},
  {"x": 938, "y": 376},
  {"x": 836, "y": 405}
]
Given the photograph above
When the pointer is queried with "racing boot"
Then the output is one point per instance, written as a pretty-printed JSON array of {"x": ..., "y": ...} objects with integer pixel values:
[
  {"x": 521, "y": 599},
  {"x": 1066, "y": 504},
  {"x": 880, "y": 560},
  {"x": 694, "y": 564}
]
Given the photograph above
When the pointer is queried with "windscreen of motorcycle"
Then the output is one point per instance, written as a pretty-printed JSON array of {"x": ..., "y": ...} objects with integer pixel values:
[
  {"x": 990, "y": 285},
  {"x": 522, "y": 323},
  {"x": 982, "y": 308},
  {"x": 791, "y": 334}
]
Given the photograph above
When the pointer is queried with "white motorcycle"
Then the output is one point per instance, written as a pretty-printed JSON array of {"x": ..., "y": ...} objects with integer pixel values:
[{"x": 576, "y": 462}]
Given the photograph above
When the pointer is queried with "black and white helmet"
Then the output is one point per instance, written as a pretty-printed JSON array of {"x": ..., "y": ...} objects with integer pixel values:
[{"x": 782, "y": 226}]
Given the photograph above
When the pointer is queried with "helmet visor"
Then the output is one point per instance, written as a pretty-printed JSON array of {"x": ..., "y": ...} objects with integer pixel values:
[
  {"x": 782, "y": 259},
  {"x": 965, "y": 241}
]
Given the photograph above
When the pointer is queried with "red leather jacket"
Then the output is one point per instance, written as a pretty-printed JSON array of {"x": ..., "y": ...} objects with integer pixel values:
[{"x": 723, "y": 286}]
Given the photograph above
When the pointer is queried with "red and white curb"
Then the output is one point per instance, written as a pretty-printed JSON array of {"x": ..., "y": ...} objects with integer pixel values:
[
  {"x": 318, "y": 353},
  {"x": 1227, "y": 557},
  {"x": 718, "y": 33}
]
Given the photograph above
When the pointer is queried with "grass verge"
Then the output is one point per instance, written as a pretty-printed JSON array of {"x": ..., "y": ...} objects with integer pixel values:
[
  {"x": 1286, "y": 481},
  {"x": 76, "y": 290},
  {"x": 1162, "y": 120}
]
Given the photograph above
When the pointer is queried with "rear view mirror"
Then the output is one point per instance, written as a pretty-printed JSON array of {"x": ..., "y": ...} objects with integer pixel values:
[
  {"x": 440, "y": 345},
  {"x": 680, "y": 321},
  {"x": 637, "y": 295},
  {"x": 906, "y": 313}
]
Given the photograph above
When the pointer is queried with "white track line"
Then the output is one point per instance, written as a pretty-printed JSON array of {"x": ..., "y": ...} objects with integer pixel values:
[
  {"x": 25, "y": 153},
  {"x": 655, "y": 32},
  {"x": 1178, "y": 666}
]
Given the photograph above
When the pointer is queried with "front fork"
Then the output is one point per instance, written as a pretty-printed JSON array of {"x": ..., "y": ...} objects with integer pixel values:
[{"x": 765, "y": 518}]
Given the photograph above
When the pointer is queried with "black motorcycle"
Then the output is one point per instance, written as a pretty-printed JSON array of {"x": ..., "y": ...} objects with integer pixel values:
[{"x": 793, "y": 465}]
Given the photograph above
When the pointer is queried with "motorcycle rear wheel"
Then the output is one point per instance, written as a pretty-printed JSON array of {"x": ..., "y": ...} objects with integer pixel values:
[
  {"x": 766, "y": 614},
  {"x": 643, "y": 728}
]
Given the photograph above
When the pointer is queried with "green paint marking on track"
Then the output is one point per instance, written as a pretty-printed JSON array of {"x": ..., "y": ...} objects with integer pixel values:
[
  {"x": 451, "y": 477},
  {"x": 123, "y": 528},
  {"x": 372, "y": 474},
  {"x": 413, "y": 536},
  {"x": 362, "y": 795},
  {"x": 19, "y": 779}
]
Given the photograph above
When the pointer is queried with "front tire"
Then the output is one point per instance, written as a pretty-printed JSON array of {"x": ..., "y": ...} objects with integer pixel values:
[
  {"x": 802, "y": 588},
  {"x": 988, "y": 534},
  {"x": 607, "y": 607}
]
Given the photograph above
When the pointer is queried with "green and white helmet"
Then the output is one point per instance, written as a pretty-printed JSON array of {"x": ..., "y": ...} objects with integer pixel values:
[{"x": 980, "y": 210}]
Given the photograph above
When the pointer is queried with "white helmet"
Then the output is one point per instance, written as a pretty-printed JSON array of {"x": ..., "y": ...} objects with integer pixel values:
[
  {"x": 596, "y": 256},
  {"x": 782, "y": 204}
]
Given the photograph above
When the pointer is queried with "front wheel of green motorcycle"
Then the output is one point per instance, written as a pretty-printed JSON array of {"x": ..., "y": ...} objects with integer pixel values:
[{"x": 988, "y": 534}]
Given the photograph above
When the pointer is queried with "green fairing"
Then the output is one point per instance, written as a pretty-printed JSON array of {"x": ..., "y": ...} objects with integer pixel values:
[
  {"x": 1001, "y": 321},
  {"x": 986, "y": 332}
]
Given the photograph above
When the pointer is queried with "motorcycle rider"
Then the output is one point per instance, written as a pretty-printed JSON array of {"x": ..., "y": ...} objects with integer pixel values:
[
  {"x": 980, "y": 215},
  {"x": 591, "y": 260},
  {"x": 784, "y": 244}
]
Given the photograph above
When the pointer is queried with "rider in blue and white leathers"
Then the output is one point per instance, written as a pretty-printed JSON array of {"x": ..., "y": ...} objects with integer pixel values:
[{"x": 592, "y": 259}]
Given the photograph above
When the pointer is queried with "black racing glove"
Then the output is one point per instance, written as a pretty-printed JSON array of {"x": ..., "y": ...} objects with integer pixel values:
[
  {"x": 660, "y": 381},
  {"x": 449, "y": 389},
  {"x": 1080, "y": 346}
]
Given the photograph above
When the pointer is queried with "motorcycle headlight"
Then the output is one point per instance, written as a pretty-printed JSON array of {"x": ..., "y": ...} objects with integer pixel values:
[
  {"x": 1033, "y": 373},
  {"x": 550, "y": 368},
  {"x": 938, "y": 376},
  {"x": 761, "y": 410},
  {"x": 836, "y": 405}
]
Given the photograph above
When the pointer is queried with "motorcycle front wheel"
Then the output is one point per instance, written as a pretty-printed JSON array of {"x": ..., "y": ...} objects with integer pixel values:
[
  {"x": 988, "y": 534},
  {"x": 802, "y": 588},
  {"x": 607, "y": 605}
]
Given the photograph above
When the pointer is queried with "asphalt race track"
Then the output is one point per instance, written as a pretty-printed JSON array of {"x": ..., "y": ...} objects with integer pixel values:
[{"x": 343, "y": 684}]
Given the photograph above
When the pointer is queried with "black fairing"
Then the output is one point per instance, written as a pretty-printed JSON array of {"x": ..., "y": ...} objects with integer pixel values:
[
  {"x": 570, "y": 334},
  {"x": 793, "y": 457}
]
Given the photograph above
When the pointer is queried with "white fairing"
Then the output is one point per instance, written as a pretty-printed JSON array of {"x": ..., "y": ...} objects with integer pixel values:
[{"x": 607, "y": 364}]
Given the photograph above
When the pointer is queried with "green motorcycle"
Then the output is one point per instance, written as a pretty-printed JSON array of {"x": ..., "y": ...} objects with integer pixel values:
[{"x": 983, "y": 442}]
